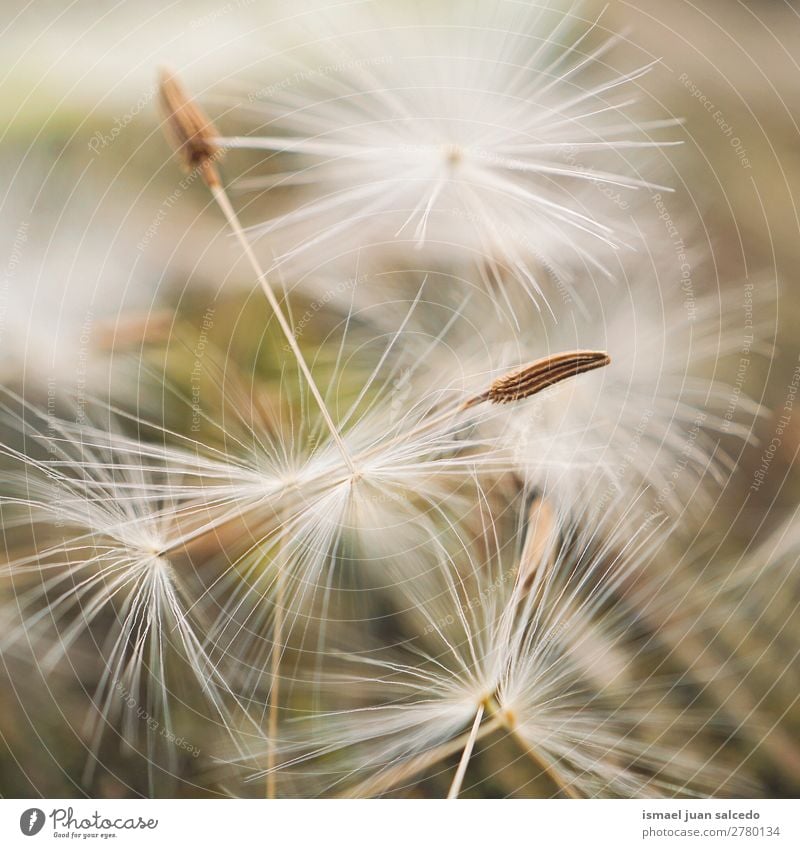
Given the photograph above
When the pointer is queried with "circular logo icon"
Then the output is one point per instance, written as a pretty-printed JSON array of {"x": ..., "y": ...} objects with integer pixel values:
[{"x": 31, "y": 821}]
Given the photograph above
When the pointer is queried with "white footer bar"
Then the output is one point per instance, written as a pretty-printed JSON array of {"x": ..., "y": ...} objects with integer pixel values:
[{"x": 410, "y": 824}]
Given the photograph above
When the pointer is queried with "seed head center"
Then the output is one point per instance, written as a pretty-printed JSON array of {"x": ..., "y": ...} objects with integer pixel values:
[{"x": 454, "y": 155}]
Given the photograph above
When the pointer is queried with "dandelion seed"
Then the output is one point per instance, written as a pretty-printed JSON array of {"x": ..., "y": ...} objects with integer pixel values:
[
  {"x": 652, "y": 423},
  {"x": 540, "y": 540},
  {"x": 190, "y": 130},
  {"x": 540, "y": 375}
]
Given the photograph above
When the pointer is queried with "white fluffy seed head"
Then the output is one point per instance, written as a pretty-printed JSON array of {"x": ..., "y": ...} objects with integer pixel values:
[
  {"x": 514, "y": 150},
  {"x": 549, "y": 661}
]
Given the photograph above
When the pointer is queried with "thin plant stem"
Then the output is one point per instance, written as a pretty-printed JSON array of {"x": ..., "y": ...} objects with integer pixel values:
[
  {"x": 455, "y": 786},
  {"x": 410, "y": 768},
  {"x": 221, "y": 197},
  {"x": 274, "y": 692}
]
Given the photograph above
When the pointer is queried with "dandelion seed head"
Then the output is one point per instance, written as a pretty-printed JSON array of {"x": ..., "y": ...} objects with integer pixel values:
[
  {"x": 422, "y": 136},
  {"x": 535, "y": 660}
]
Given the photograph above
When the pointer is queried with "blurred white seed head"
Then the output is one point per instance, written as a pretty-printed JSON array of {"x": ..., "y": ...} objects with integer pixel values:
[
  {"x": 528, "y": 645},
  {"x": 111, "y": 519},
  {"x": 516, "y": 148}
]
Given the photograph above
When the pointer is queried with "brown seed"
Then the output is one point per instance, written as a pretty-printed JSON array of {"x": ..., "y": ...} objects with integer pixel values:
[
  {"x": 189, "y": 129},
  {"x": 537, "y": 553},
  {"x": 532, "y": 379}
]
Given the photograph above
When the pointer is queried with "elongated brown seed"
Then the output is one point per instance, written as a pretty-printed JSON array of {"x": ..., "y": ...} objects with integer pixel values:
[
  {"x": 539, "y": 550},
  {"x": 188, "y": 129},
  {"x": 528, "y": 381}
]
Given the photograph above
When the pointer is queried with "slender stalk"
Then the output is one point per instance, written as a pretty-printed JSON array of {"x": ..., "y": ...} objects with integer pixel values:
[
  {"x": 455, "y": 786},
  {"x": 409, "y": 769},
  {"x": 274, "y": 692},
  {"x": 221, "y": 197}
]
